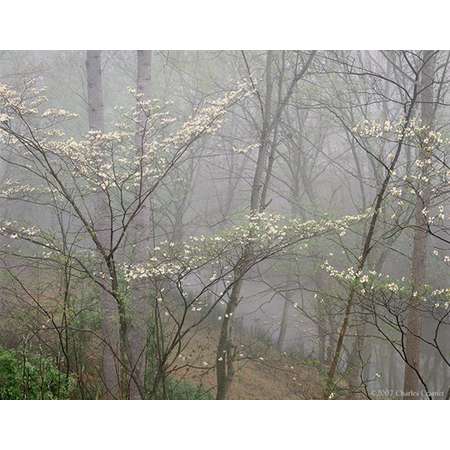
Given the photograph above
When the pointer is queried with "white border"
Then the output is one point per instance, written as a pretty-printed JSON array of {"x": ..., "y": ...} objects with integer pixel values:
[
  {"x": 232, "y": 425},
  {"x": 224, "y": 24}
]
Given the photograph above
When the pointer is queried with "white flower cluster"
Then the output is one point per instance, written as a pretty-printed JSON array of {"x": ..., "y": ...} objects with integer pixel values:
[
  {"x": 14, "y": 230},
  {"x": 24, "y": 104},
  {"x": 103, "y": 161},
  {"x": 265, "y": 233},
  {"x": 396, "y": 192},
  {"x": 15, "y": 189},
  {"x": 56, "y": 113},
  {"x": 378, "y": 283},
  {"x": 246, "y": 149},
  {"x": 207, "y": 119},
  {"x": 365, "y": 279},
  {"x": 413, "y": 131}
]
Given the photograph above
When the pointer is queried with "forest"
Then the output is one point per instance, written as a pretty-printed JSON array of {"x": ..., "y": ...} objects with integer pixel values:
[{"x": 225, "y": 224}]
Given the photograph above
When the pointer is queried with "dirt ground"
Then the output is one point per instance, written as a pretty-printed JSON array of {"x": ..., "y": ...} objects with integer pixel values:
[{"x": 273, "y": 375}]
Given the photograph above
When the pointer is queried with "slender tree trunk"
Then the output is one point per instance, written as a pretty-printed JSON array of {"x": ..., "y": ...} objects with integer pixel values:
[
  {"x": 284, "y": 322},
  {"x": 354, "y": 362},
  {"x": 109, "y": 308},
  {"x": 225, "y": 348},
  {"x": 295, "y": 213},
  {"x": 367, "y": 247},
  {"x": 258, "y": 180},
  {"x": 264, "y": 164},
  {"x": 419, "y": 254},
  {"x": 354, "y": 370},
  {"x": 321, "y": 319},
  {"x": 224, "y": 363}
]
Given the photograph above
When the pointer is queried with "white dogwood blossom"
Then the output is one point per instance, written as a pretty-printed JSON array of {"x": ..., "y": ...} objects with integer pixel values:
[
  {"x": 267, "y": 233},
  {"x": 412, "y": 131},
  {"x": 375, "y": 283},
  {"x": 111, "y": 164}
]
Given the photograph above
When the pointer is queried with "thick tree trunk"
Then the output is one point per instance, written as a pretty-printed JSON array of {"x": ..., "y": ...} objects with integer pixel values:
[
  {"x": 419, "y": 255},
  {"x": 140, "y": 307},
  {"x": 284, "y": 323},
  {"x": 95, "y": 91}
]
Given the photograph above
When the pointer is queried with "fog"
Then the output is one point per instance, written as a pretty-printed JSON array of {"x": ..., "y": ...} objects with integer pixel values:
[{"x": 224, "y": 224}]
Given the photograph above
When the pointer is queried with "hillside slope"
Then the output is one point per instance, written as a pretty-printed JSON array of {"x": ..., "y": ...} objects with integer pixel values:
[{"x": 274, "y": 375}]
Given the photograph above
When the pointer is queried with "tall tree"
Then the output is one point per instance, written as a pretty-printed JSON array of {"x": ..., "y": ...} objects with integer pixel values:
[
  {"x": 95, "y": 90},
  {"x": 140, "y": 314},
  {"x": 369, "y": 234},
  {"x": 96, "y": 118},
  {"x": 419, "y": 253},
  {"x": 225, "y": 356},
  {"x": 270, "y": 119}
]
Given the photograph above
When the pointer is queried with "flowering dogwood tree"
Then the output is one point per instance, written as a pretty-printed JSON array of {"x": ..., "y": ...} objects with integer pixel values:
[{"x": 98, "y": 183}]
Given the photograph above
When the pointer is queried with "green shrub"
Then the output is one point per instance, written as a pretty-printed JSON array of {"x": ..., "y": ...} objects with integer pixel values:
[
  {"x": 184, "y": 390},
  {"x": 33, "y": 378}
]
